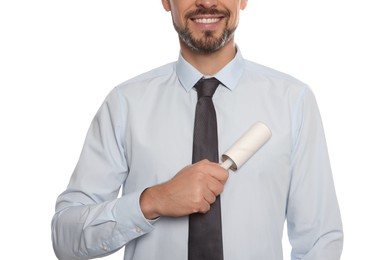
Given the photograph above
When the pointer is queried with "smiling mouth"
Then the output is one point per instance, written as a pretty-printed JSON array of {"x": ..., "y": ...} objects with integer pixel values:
[
  {"x": 207, "y": 16},
  {"x": 207, "y": 20}
]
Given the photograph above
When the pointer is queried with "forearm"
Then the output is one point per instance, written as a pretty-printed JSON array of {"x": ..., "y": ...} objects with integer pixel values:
[
  {"x": 328, "y": 247},
  {"x": 88, "y": 231}
]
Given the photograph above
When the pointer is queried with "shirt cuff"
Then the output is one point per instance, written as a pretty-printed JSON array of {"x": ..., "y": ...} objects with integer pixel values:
[{"x": 128, "y": 213}]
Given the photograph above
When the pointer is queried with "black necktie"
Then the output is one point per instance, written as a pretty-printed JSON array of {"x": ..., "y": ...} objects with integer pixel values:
[{"x": 205, "y": 230}]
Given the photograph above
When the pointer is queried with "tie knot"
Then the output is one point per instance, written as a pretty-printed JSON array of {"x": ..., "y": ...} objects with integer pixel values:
[{"x": 206, "y": 87}]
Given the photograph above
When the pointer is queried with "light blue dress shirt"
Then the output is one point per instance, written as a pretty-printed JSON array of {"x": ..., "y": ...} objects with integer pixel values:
[{"x": 142, "y": 136}]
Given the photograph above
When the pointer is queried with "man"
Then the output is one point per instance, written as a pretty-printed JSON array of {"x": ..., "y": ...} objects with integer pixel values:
[{"x": 142, "y": 139}]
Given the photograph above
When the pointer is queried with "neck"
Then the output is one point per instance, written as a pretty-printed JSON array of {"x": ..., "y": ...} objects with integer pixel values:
[{"x": 211, "y": 63}]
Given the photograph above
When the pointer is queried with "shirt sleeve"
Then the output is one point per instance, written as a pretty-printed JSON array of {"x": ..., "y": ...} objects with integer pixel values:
[
  {"x": 90, "y": 220},
  {"x": 313, "y": 217}
]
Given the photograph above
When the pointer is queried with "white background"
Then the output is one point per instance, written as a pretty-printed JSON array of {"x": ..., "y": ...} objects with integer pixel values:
[{"x": 59, "y": 59}]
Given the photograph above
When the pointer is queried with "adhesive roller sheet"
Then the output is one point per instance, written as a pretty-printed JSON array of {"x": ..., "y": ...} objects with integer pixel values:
[{"x": 248, "y": 144}]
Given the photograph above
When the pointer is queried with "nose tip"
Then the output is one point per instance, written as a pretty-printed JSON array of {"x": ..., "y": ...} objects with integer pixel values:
[{"x": 206, "y": 3}]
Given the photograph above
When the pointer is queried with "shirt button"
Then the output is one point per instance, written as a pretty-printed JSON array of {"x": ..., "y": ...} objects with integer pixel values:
[
  {"x": 138, "y": 230},
  {"x": 105, "y": 248}
]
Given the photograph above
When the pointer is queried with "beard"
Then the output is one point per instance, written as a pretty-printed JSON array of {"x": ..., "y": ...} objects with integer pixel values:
[{"x": 209, "y": 42}]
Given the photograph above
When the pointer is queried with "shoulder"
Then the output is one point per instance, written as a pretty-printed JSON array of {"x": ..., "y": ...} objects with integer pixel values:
[
  {"x": 143, "y": 85},
  {"x": 257, "y": 70},
  {"x": 274, "y": 81},
  {"x": 160, "y": 73}
]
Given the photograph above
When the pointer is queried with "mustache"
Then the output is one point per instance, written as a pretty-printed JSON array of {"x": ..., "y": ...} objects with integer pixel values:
[{"x": 207, "y": 12}]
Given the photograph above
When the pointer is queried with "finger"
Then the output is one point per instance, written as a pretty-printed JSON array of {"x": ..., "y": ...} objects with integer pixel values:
[
  {"x": 215, "y": 186},
  {"x": 209, "y": 196},
  {"x": 205, "y": 207},
  {"x": 213, "y": 169},
  {"x": 217, "y": 172}
]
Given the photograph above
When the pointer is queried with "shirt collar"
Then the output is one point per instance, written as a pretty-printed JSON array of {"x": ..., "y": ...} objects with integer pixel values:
[{"x": 228, "y": 75}]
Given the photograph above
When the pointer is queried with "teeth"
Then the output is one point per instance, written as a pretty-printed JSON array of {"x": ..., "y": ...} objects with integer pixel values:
[{"x": 207, "y": 20}]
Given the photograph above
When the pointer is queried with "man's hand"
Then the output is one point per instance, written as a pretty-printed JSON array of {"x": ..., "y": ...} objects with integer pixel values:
[{"x": 191, "y": 190}]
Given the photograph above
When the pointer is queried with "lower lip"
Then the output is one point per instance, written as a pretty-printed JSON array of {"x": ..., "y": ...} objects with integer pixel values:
[{"x": 208, "y": 26}]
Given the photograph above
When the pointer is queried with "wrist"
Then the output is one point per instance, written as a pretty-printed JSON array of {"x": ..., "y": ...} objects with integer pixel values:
[{"x": 148, "y": 203}]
